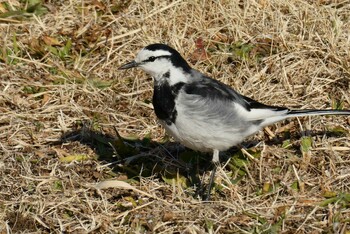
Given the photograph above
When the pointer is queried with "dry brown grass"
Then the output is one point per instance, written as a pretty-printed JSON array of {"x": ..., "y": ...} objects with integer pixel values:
[{"x": 60, "y": 102}]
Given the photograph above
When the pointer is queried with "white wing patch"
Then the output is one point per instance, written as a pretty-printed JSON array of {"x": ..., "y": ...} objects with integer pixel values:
[{"x": 259, "y": 114}]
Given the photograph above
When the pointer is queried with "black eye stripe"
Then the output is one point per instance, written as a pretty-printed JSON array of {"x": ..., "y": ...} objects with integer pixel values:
[{"x": 153, "y": 58}]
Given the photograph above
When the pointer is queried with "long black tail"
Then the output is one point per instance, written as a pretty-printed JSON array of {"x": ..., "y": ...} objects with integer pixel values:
[
  {"x": 298, "y": 113},
  {"x": 286, "y": 113}
]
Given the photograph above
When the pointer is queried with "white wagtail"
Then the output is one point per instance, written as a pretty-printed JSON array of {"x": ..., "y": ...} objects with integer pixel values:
[{"x": 202, "y": 113}]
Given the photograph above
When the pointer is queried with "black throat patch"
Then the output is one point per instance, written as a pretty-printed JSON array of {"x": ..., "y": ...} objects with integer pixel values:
[{"x": 164, "y": 101}]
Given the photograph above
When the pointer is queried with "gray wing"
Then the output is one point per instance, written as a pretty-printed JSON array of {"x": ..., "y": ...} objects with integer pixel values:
[
  {"x": 209, "y": 119},
  {"x": 207, "y": 87},
  {"x": 212, "y": 115},
  {"x": 216, "y": 103},
  {"x": 211, "y": 102}
]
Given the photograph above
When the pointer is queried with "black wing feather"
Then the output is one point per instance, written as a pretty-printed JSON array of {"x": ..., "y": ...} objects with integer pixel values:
[{"x": 209, "y": 88}]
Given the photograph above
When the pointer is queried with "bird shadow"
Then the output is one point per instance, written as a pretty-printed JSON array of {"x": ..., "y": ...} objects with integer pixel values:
[
  {"x": 166, "y": 160},
  {"x": 138, "y": 158}
]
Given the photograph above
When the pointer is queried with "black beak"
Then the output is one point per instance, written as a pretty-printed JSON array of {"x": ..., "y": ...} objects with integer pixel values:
[{"x": 128, "y": 65}]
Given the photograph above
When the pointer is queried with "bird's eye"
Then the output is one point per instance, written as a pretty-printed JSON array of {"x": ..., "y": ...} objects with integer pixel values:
[{"x": 151, "y": 59}]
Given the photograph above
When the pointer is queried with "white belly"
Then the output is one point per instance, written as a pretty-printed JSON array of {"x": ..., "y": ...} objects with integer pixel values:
[{"x": 196, "y": 137}]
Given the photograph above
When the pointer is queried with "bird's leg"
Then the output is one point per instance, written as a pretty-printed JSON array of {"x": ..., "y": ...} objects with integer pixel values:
[{"x": 215, "y": 162}]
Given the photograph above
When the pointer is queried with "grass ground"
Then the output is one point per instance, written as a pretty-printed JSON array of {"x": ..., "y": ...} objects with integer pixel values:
[{"x": 70, "y": 120}]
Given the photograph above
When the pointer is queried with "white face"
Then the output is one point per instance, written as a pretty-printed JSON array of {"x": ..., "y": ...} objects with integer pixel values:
[{"x": 157, "y": 67}]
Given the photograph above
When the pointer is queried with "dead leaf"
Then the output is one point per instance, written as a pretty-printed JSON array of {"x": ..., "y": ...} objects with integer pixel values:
[
  {"x": 267, "y": 187},
  {"x": 167, "y": 216},
  {"x": 199, "y": 54},
  {"x": 46, "y": 98},
  {"x": 51, "y": 41},
  {"x": 122, "y": 185},
  {"x": 280, "y": 211},
  {"x": 35, "y": 44}
]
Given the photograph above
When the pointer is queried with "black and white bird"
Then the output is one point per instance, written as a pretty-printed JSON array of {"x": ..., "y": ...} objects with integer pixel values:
[{"x": 202, "y": 113}]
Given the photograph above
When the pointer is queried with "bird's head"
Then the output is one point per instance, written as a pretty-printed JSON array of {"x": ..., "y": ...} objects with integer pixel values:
[{"x": 158, "y": 59}]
